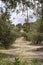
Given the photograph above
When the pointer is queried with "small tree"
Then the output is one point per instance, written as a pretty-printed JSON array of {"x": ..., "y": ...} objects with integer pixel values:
[{"x": 6, "y": 34}]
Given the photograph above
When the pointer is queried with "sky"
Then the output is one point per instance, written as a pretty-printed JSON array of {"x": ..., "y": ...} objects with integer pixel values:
[{"x": 19, "y": 18}]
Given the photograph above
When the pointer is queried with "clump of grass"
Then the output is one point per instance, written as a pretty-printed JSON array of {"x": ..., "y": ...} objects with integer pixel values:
[
  {"x": 35, "y": 62},
  {"x": 5, "y": 62},
  {"x": 19, "y": 62}
]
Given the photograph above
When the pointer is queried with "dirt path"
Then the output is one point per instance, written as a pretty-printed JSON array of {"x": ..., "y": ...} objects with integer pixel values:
[{"x": 24, "y": 50}]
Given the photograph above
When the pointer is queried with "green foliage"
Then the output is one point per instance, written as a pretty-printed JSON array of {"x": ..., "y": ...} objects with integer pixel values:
[
  {"x": 37, "y": 38},
  {"x": 5, "y": 62},
  {"x": 35, "y": 62},
  {"x": 24, "y": 63},
  {"x": 17, "y": 32},
  {"x": 37, "y": 32},
  {"x": 27, "y": 36},
  {"x": 19, "y": 26},
  {"x": 33, "y": 26},
  {"x": 33, "y": 31},
  {"x": 18, "y": 62},
  {"x": 26, "y": 27},
  {"x": 6, "y": 34}
]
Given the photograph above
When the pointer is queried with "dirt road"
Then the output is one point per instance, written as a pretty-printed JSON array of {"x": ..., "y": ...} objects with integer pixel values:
[{"x": 22, "y": 49}]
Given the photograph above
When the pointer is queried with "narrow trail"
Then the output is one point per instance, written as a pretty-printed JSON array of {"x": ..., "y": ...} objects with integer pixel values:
[{"x": 22, "y": 49}]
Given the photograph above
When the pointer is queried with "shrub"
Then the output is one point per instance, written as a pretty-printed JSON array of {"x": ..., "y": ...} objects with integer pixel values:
[
  {"x": 7, "y": 35},
  {"x": 8, "y": 39},
  {"x": 37, "y": 38},
  {"x": 19, "y": 26},
  {"x": 27, "y": 36},
  {"x": 26, "y": 27}
]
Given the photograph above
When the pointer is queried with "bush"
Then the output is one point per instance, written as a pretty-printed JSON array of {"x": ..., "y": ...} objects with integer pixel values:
[
  {"x": 18, "y": 34},
  {"x": 26, "y": 27},
  {"x": 19, "y": 26},
  {"x": 27, "y": 36},
  {"x": 6, "y": 35},
  {"x": 37, "y": 38},
  {"x": 7, "y": 39}
]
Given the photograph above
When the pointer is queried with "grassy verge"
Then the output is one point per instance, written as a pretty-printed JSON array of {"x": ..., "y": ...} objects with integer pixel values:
[{"x": 17, "y": 61}]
